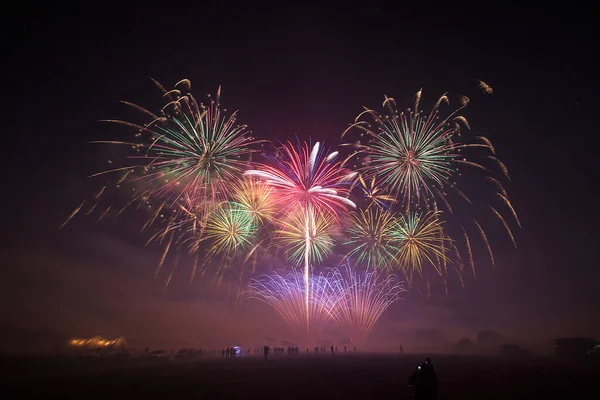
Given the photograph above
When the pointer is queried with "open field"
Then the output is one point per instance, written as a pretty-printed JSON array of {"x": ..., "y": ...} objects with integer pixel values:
[{"x": 300, "y": 377}]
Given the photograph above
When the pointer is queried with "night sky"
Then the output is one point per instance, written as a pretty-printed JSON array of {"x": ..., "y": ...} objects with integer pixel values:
[{"x": 306, "y": 72}]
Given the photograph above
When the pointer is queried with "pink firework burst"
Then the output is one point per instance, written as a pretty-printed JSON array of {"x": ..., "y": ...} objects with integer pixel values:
[
  {"x": 311, "y": 183},
  {"x": 307, "y": 178}
]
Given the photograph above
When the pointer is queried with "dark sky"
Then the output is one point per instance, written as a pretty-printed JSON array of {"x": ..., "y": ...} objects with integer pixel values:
[{"x": 295, "y": 70}]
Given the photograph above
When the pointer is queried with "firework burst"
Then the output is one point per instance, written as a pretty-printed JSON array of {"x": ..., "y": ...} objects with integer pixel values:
[
  {"x": 307, "y": 178},
  {"x": 192, "y": 152},
  {"x": 229, "y": 228},
  {"x": 183, "y": 164},
  {"x": 354, "y": 300},
  {"x": 373, "y": 238},
  {"x": 421, "y": 241},
  {"x": 365, "y": 297},
  {"x": 311, "y": 183},
  {"x": 287, "y": 296},
  {"x": 303, "y": 233},
  {"x": 422, "y": 160},
  {"x": 257, "y": 198},
  {"x": 409, "y": 151}
]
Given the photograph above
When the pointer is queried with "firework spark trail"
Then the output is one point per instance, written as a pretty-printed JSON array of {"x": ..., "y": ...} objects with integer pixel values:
[
  {"x": 365, "y": 296},
  {"x": 307, "y": 180},
  {"x": 93, "y": 207},
  {"x": 375, "y": 194},
  {"x": 194, "y": 269},
  {"x": 500, "y": 165},
  {"x": 506, "y": 227},
  {"x": 101, "y": 217},
  {"x": 468, "y": 244},
  {"x": 287, "y": 296},
  {"x": 510, "y": 206},
  {"x": 155, "y": 215},
  {"x": 353, "y": 299},
  {"x": 487, "y": 243},
  {"x": 73, "y": 213},
  {"x": 485, "y": 88},
  {"x": 443, "y": 198},
  {"x": 164, "y": 255},
  {"x": 497, "y": 185}
]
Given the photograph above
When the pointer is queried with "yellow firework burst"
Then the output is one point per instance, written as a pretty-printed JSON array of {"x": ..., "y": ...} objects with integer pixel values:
[
  {"x": 229, "y": 228},
  {"x": 421, "y": 237},
  {"x": 257, "y": 198},
  {"x": 301, "y": 232},
  {"x": 373, "y": 238}
]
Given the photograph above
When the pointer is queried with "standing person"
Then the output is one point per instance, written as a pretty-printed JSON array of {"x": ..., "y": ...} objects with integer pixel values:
[
  {"x": 401, "y": 349},
  {"x": 331, "y": 349},
  {"x": 424, "y": 382},
  {"x": 266, "y": 351}
]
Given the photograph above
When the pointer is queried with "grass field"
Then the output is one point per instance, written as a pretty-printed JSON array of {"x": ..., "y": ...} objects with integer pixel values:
[{"x": 302, "y": 377}]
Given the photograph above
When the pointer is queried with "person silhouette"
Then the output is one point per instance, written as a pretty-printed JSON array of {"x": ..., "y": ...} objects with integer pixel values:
[
  {"x": 424, "y": 382},
  {"x": 266, "y": 351}
]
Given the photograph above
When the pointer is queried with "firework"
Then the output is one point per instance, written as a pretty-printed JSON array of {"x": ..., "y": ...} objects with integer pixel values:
[
  {"x": 373, "y": 238},
  {"x": 355, "y": 300},
  {"x": 365, "y": 297},
  {"x": 421, "y": 159},
  {"x": 421, "y": 241},
  {"x": 310, "y": 183},
  {"x": 193, "y": 152},
  {"x": 410, "y": 152},
  {"x": 374, "y": 194},
  {"x": 189, "y": 169},
  {"x": 229, "y": 228},
  {"x": 306, "y": 233},
  {"x": 307, "y": 178},
  {"x": 184, "y": 163},
  {"x": 287, "y": 296},
  {"x": 257, "y": 198}
]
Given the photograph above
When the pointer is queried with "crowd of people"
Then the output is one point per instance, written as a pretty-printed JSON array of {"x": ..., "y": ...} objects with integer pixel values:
[{"x": 423, "y": 382}]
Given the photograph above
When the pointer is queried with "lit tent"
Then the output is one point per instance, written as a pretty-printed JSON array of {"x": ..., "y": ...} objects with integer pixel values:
[{"x": 98, "y": 342}]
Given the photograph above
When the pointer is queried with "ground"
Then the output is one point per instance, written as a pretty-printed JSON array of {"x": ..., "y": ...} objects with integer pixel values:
[{"x": 302, "y": 377}]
